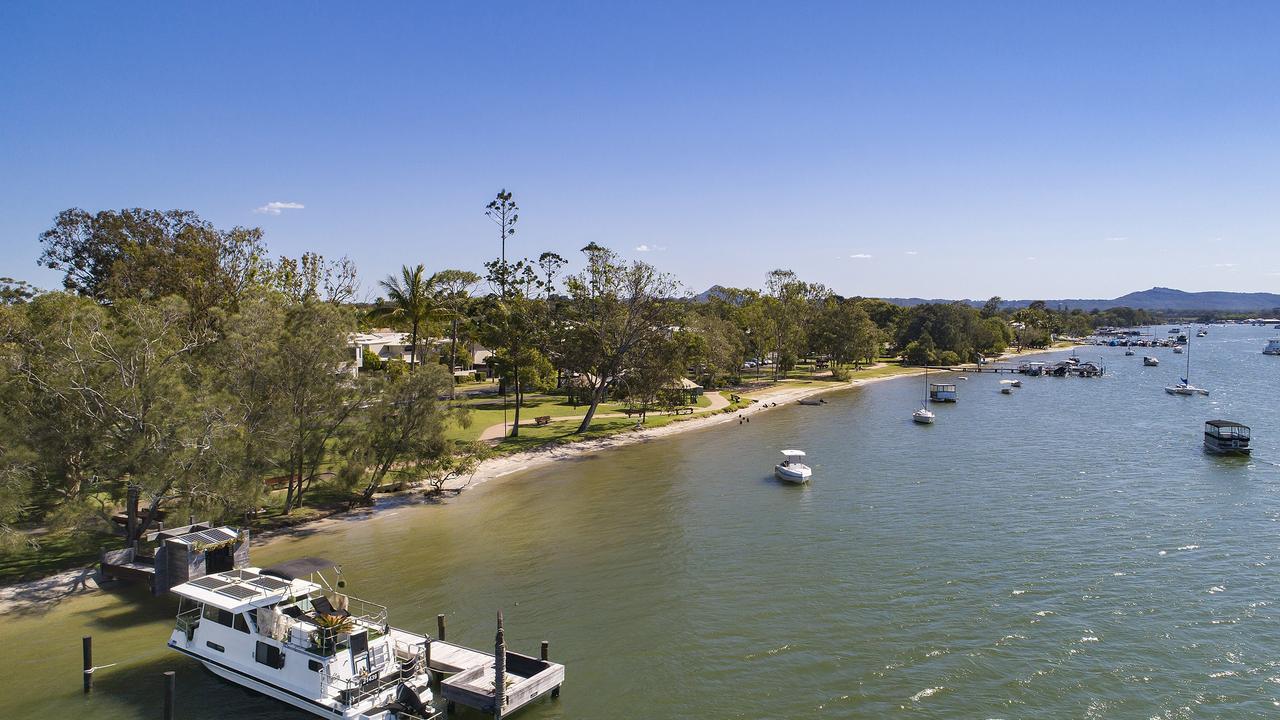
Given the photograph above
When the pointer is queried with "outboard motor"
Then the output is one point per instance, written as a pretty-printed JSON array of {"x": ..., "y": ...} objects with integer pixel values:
[{"x": 410, "y": 700}]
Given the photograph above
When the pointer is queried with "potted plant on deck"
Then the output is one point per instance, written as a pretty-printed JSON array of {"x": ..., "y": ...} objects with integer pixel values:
[{"x": 328, "y": 628}]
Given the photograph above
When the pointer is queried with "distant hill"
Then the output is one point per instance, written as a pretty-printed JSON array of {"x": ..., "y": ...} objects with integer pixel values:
[{"x": 1156, "y": 298}]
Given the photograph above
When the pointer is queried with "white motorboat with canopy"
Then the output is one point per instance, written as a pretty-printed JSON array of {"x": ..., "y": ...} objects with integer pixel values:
[
  {"x": 792, "y": 469},
  {"x": 286, "y": 632}
]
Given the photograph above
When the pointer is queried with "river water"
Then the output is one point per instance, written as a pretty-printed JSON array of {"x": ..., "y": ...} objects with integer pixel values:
[{"x": 1067, "y": 551}]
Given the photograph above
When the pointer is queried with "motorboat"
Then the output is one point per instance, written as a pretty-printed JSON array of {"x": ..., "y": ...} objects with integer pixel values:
[
  {"x": 289, "y": 634},
  {"x": 1272, "y": 348},
  {"x": 1150, "y": 361},
  {"x": 792, "y": 469},
  {"x": 1007, "y": 386},
  {"x": 1129, "y": 353},
  {"x": 1015, "y": 383},
  {"x": 1006, "y": 390},
  {"x": 1177, "y": 349},
  {"x": 1224, "y": 437}
]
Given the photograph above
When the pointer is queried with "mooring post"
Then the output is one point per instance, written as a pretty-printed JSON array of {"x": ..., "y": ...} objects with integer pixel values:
[
  {"x": 546, "y": 650},
  {"x": 499, "y": 671},
  {"x": 86, "y": 646},
  {"x": 440, "y": 626},
  {"x": 170, "y": 688}
]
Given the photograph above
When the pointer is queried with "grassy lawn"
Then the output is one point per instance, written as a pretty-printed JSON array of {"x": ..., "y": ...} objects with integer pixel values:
[{"x": 56, "y": 551}]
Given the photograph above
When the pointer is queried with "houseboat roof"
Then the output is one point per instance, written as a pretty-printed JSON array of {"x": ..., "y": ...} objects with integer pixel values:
[
  {"x": 240, "y": 590},
  {"x": 1225, "y": 424}
]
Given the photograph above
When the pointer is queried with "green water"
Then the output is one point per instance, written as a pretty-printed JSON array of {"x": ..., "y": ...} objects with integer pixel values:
[{"x": 1067, "y": 551}]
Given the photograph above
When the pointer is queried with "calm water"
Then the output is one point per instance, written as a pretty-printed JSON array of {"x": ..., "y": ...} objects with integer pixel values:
[{"x": 1067, "y": 551}]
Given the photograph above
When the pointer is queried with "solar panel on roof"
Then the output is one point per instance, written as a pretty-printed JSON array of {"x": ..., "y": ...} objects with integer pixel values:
[
  {"x": 209, "y": 582},
  {"x": 239, "y": 592},
  {"x": 269, "y": 583}
]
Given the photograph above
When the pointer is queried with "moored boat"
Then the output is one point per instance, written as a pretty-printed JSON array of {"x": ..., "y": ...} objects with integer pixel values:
[
  {"x": 286, "y": 633},
  {"x": 1150, "y": 361},
  {"x": 792, "y": 469},
  {"x": 1224, "y": 437},
  {"x": 942, "y": 392},
  {"x": 1272, "y": 348}
]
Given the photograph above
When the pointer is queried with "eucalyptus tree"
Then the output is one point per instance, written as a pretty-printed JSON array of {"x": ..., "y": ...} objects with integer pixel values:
[
  {"x": 451, "y": 290},
  {"x": 550, "y": 264},
  {"x": 616, "y": 312},
  {"x": 513, "y": 326},
  {"x": 504, "y": 212},
  {"x": 409, "y": 301}
]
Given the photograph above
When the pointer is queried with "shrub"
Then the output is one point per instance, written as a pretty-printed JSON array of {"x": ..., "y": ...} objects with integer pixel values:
[
  {"x": 840, "y": 374},
  {"x": 948, "y": 357}
]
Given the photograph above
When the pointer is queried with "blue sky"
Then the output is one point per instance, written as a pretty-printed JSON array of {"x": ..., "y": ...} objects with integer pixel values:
[{"x": 969, "y": 149}]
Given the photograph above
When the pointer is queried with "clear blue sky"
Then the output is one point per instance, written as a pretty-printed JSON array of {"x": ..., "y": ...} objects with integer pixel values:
[{"x": 969, "y": 149}]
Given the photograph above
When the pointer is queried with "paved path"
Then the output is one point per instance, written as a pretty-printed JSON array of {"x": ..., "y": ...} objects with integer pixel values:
[{"x": 498, "y": 431}]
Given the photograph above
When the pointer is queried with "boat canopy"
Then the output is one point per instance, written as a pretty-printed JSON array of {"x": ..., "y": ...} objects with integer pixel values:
[
  {"x": 299, "y": 568},
  {"x": 240, "y": 590},
  {"x": 1226, "y": 429},
  {"x": 793, "y": 453}
]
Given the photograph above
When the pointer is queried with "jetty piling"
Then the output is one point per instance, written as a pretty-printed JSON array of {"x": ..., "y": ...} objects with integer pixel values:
[
  {"x": 499, "y": 671},
  {"x": 440, "y": 626},
  {"x": 544, "y": 652},
  {"x": 170, "y": 690},
  {"x": 86, "y": 650}
]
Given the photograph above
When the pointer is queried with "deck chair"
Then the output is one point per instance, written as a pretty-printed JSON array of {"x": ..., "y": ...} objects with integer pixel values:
[{"x": 324, "y": 607}]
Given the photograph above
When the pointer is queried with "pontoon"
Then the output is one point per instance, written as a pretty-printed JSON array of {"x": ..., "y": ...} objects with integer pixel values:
[{"x": 1224, "y": 437}]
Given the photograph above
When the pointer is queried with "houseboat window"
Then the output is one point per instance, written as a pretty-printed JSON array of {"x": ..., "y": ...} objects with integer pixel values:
[
  {"x": 315, "y": 665},
  {"x": 215, "y": 646},
  {"x": 241, "y": 624},
  {"x": 269, "y": 655},
  {"x": 218, "y": 615}
]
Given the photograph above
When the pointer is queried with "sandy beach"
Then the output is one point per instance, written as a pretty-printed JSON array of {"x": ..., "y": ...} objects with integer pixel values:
[{"x": 71, "y": 583}]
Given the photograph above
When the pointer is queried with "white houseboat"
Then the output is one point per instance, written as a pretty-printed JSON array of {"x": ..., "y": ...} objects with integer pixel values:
[
  {"x": 1272, "y": 348},
  {"x": 942, "y": 392},
  {"x": 285, "y": 632}
]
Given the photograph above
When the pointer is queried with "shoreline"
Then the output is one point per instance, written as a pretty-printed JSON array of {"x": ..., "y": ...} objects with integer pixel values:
[{"x": 30, "y": 594}]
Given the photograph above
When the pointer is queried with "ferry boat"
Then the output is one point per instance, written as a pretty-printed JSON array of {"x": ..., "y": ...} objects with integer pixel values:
[
  {"x": 286, "y": 633},
  {"x": 792, "y": 469},
  {"x": 942, "y": 392},
  {"x": 1272, "y": 348},
  {"x": 1224, "y": 437}
]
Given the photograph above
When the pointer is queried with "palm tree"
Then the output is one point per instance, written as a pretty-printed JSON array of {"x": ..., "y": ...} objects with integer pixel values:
[{"x": 410, "y": 300}]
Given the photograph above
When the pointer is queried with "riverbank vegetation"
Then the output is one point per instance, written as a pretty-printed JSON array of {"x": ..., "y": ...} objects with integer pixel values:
[{"x": 184, "y": 360}]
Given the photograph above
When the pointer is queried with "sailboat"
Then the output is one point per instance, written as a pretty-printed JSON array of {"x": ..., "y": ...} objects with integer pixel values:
[
  {"x": 1185, "y": 387},
  {"x": 924, "y": 415}
]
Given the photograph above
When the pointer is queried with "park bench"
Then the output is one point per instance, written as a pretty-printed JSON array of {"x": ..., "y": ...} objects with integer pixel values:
[
  {"x": 542, "y": 420},
  {"x": 680, "y": 410},
  {"x": 633, "y": 411}
]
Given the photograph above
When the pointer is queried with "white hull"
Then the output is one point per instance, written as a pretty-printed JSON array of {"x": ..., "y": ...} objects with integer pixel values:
[
  {"x": 275, "y": 693},
  {"x": 791, "y": 474},
  {"x": 1186, "y": 390},
  {"x": 922, "y": 418}
]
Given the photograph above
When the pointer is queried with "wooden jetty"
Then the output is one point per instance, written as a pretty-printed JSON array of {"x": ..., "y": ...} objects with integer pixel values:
[{"x": 497, "y": 683}]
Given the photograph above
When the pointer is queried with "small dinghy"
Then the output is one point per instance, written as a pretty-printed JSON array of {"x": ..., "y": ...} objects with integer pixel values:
[
  {"x": 812, "y": 401},
  {"x": 792, "y": 469}
]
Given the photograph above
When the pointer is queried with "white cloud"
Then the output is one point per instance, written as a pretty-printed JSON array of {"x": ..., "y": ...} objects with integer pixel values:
[
  {"x": 913, "y": 252},
  {"x": 277, "y": 207},
  {"x": 860, "y": 256},
  {"x": 644, "y": 247}
]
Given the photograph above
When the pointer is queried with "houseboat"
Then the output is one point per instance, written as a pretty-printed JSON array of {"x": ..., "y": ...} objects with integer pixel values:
[
  {"x": 1224, "y": 437},
  {"x": 942, "y": 392},
  {"x": 286, "y": 633},
  {"x": 1272, "y": 348}
]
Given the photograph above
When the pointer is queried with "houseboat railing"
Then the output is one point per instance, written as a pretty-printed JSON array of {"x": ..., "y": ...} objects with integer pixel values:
[{"x": 187, "y": 621}]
